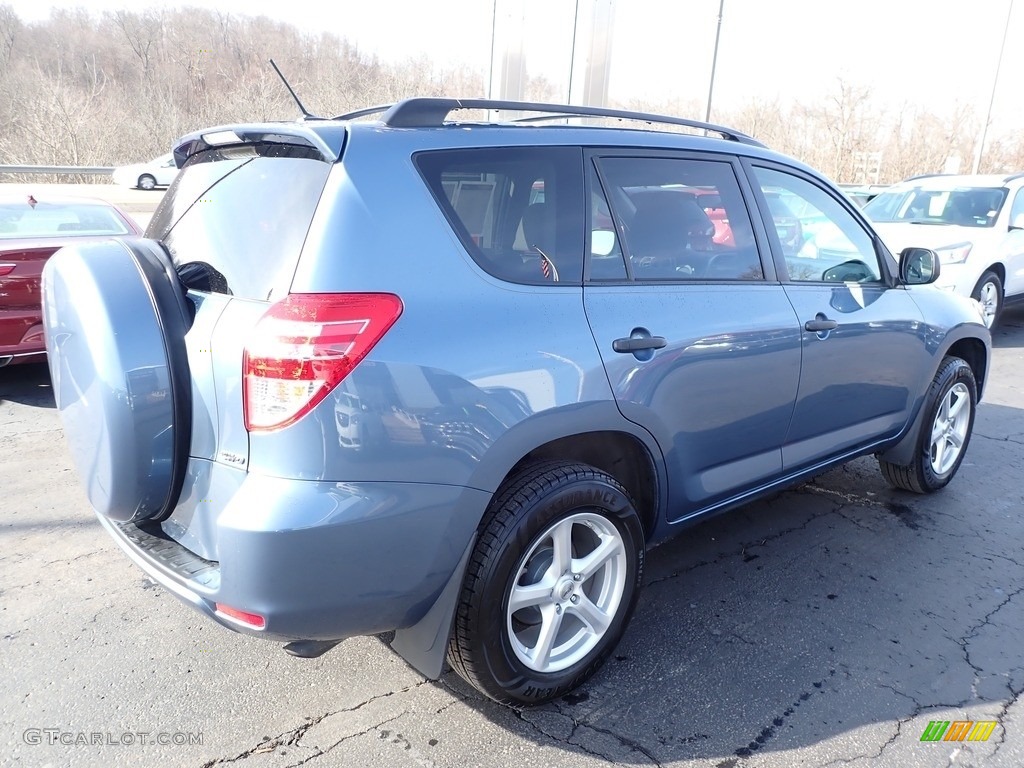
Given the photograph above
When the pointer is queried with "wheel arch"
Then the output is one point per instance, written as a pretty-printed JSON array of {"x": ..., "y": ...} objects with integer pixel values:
[
  {"x": 597, "y": 435},
  {"x": 974, "y": 352},
  {"x": 969, "y": 348},
  {"x": 620, "y": 454},
  {"x": 998, "y": 268}
]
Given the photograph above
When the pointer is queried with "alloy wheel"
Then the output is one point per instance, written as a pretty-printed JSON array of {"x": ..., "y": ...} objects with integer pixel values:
[{"x": 568, "y": 590}]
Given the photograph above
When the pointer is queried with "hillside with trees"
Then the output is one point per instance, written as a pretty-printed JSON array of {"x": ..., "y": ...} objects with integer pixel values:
[{"x": 85, "y": 89}]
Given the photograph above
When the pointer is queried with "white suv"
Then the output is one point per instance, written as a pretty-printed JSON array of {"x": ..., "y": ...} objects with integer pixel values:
[{"x": 974, "y": 223}]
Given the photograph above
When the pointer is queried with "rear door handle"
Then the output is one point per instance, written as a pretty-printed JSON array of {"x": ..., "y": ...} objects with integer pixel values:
[
  {"x": 820, "y": 324},
  {"x": 638, "y": 343}
]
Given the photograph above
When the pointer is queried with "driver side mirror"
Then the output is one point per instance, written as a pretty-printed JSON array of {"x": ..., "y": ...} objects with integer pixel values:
[{"x": 918, "y": 266}]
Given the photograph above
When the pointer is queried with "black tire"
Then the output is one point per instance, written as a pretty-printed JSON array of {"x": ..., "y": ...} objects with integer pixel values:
[
  {"x": 146, "y": 182},
  {"x": 922, "y": 476},
  {"x": 991, "y": 287},
  {"x": 546, "y": 498}
]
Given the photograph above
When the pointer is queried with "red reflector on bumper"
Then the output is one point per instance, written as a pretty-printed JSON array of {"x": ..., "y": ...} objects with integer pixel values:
[{"x": 249, "y": 619}]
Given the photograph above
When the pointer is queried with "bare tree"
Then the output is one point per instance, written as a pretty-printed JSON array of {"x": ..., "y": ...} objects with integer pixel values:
[{"x": 121, "y": 87}]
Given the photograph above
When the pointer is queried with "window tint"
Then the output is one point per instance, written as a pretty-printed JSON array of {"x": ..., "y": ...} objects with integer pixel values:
[
  {"x": 238, "y": 219},
  {"x": 681, "y": 219},
  {"x": 1017, "y": 211},
  {"x": 606, "y": 262},
  {"x": 518, "y": 210},
  {"x": 820, "y": 240}
]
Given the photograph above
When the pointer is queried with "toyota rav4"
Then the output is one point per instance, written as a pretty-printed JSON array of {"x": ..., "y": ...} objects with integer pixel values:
[{"x": 360, "y": 377}]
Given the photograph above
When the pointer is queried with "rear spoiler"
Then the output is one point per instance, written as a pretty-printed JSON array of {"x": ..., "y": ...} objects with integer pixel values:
[{"x": 326, "y": 141}]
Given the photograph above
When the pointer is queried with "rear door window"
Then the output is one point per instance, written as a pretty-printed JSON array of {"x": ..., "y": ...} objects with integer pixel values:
[
  {"x": 518, "y": 211},
  {"x": 679, "y": 219}
]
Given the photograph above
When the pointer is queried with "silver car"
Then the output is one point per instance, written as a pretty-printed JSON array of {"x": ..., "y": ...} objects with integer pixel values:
[{"x": 447, "y": 380}]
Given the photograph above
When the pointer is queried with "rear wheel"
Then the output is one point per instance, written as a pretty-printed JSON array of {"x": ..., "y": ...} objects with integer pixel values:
[
  {"x": 989, "y": 291},
  {"x": 945, "y": 431},
  {"x": 147, "y": 182},
  {"x": 551, "y": 586}
]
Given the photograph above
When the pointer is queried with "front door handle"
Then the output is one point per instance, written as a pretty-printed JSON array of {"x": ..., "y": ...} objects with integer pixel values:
[
  {"x": 638, "y": 343},
  {"x": 820, "y": 324}
]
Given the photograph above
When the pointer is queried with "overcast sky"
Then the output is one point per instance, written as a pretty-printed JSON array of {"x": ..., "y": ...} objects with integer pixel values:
[{"x": 932, "y": 52}]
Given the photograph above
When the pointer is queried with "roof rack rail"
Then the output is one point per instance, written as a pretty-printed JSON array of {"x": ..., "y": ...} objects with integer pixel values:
[
  {"x": 364, "y": 112},
  {"x": 431, "y": 112},
  {"x": 1013, "y": 177},
  {"x": 926, "y": 176}
]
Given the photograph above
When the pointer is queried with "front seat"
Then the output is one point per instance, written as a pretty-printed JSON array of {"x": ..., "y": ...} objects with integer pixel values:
[{"x": 670, "y": 235}]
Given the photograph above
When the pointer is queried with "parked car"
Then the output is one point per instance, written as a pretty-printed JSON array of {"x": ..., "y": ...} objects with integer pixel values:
[
  {"x": 31, "y": 230},
  {"x": 380, "y": 391},
  {"x": 862, "y": 194},
  {"x": 975, "y": 224},
  {"x": 159, "y": 172}
]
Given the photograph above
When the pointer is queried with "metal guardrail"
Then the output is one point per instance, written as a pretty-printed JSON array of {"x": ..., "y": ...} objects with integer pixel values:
[{"x": 71, "y": 170}]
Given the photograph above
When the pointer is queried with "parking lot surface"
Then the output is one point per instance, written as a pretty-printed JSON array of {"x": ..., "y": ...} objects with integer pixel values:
[{"x": 825, "y": 626}]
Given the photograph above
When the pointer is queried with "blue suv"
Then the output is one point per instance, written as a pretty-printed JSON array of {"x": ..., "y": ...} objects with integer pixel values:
[{"x": 446, "y": 380}]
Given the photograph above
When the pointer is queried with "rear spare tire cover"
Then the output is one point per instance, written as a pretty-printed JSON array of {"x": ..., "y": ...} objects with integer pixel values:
[{"x": 115, "y": 317}]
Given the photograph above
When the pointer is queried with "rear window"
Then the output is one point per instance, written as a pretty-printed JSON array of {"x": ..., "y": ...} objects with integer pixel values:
[
  {"x": 58, "y": 220},
  {"x": 518, "y": 210},
  {"x": 235, "y": 220}
]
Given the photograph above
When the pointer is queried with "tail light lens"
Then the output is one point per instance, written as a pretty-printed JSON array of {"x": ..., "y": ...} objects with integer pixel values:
[
  {"x": 251, "y": 619},
  {"x": 304, "y": 346}
]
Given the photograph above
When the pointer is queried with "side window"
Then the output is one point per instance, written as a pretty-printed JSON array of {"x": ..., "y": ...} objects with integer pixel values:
[
  {"x": 820, "y": 240},
  {"x": 518, "y": 211},
  {"x": 1017, "y": 211},
  {"x": 680, "y": 219},
  {"x": 606, "y": 262}
]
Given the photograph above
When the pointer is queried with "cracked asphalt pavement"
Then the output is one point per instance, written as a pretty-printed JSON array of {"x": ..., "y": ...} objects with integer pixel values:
[{"x": 824, "y": 626}]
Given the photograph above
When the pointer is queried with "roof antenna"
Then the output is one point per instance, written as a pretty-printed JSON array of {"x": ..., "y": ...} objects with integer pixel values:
[{"x": 306, "y": 114}]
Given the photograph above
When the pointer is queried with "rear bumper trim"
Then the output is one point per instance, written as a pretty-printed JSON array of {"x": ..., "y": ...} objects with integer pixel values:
[{"x": 165, "y": 553}]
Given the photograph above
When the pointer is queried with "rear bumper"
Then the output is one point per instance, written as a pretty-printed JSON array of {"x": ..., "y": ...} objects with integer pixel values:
[
  {"x": 316, "y": 560},
  {"x": 10, "y": 358},
  {"x": 31, "y": 347}
]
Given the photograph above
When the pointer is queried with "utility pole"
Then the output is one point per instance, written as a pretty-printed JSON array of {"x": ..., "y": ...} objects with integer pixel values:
[{"x": 992, "y": 98}]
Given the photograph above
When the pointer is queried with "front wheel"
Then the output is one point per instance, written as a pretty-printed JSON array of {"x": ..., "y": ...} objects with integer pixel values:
[
  {"x": 147, "y": 182},
  {"x": 945, "y": 431},
  {"x": 989, "y": 292},
  {"x": 551, "y": 586}
]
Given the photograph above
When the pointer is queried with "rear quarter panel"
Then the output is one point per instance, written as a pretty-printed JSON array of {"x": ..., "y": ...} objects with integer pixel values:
[{"x": 473, "y": 364}]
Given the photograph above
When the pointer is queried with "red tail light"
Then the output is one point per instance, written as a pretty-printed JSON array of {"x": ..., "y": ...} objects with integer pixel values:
[{"x": 304, "y": 346}]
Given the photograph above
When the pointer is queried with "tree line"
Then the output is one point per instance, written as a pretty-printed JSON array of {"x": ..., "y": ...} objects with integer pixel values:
[{"x": 85, "y": 89}]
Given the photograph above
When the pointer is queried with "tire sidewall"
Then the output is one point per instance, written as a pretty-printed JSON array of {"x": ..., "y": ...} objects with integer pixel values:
[
  {"x": 990, "y": 277},
  {"x": 576, "y": 495},
  {"x": 147, "y": 179},
  {"x": 952, "y": 373}
]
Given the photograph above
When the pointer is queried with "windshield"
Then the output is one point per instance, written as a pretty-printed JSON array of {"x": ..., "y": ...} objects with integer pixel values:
[{"x": 962, "y": 206}]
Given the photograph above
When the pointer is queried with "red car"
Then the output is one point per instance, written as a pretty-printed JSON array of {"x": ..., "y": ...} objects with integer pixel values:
[{"x": 31, "y": 230}]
